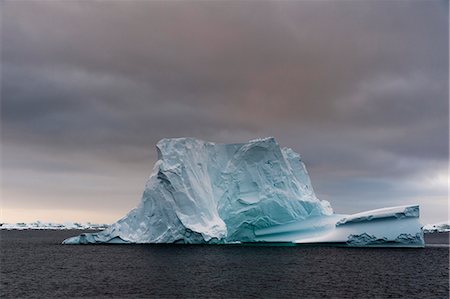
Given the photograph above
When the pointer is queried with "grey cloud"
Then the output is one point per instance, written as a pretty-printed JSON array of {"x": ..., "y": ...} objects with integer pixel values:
[
  {"x": 356, "y": 87},
  {"x": 276, "y": 57}
]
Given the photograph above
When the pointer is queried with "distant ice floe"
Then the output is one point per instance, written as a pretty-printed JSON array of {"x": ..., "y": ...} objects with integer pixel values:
[
  {"x": 38, "y": 225},
  {"x": 440, "y": 227}
]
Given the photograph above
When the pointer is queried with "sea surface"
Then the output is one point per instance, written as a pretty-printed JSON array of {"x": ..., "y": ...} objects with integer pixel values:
[{"x": 35, "y": 264}]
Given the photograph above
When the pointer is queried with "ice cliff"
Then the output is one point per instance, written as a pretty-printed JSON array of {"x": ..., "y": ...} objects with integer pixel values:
[{"x": 203, "y": 192}]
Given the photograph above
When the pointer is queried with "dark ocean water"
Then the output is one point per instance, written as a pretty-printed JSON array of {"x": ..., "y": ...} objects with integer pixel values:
[{"x": 35, "y": 264}]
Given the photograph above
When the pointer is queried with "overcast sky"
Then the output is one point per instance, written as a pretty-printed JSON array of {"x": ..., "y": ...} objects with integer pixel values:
[{"x": 358, "y": 88}]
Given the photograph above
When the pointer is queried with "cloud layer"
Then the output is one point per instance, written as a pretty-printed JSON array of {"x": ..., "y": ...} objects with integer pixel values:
[{"x": 360, "y": 89}]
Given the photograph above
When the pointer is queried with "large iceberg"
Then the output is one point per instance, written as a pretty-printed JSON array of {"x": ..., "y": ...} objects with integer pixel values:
[{"x": 203, "y": 192}]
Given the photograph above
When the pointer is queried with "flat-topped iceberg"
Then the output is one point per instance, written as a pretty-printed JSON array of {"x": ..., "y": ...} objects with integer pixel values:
[{"x": 203, "y": 192}]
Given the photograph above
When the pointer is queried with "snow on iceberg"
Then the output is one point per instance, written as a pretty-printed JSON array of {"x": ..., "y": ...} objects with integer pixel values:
[{"x": 203, "y": 192}]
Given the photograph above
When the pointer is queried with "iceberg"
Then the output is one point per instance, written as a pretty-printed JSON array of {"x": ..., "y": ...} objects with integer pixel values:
[{"x": 202, "y": 192}]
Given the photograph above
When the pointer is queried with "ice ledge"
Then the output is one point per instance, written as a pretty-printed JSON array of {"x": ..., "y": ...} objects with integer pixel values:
[
  {"x": 402, "y": 240},
  {"x": 93, "y": 238},
  {"x": 393, "y": 212},
  {"x": 387, "y": 227}
]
